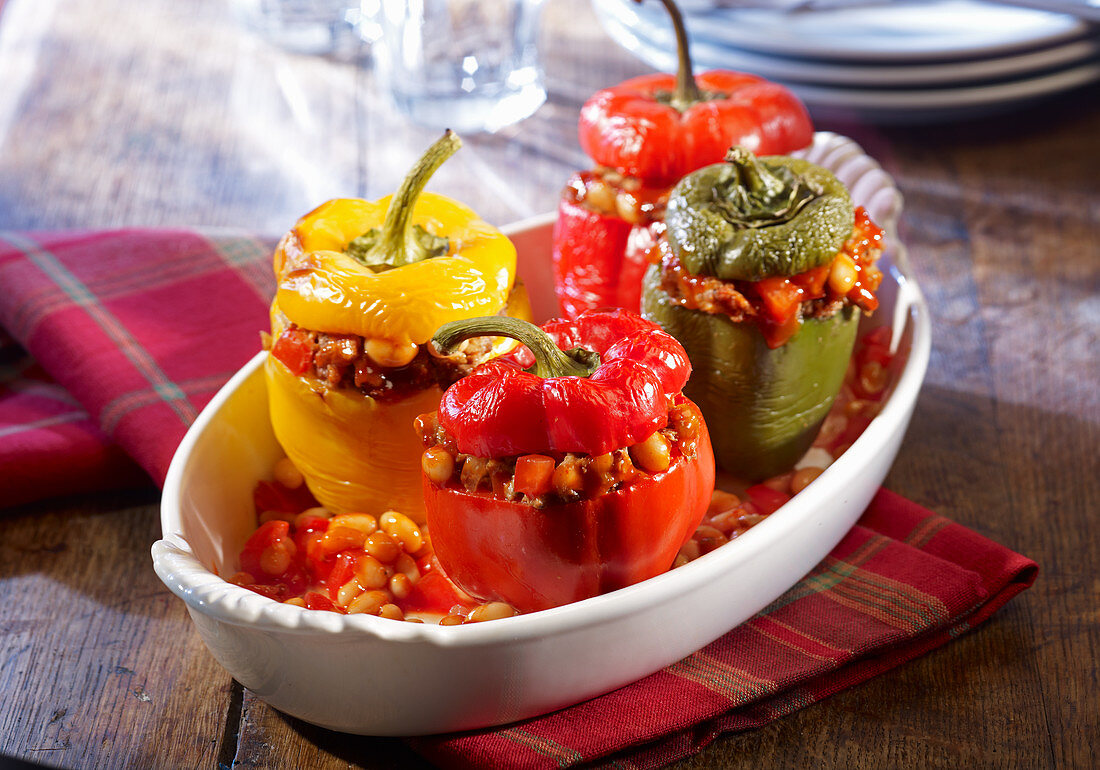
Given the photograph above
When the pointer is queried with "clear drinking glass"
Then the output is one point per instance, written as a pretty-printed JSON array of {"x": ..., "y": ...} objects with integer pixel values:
[
  {"x": 302, "y": 26},
  {"x": 469, "y": 65}
]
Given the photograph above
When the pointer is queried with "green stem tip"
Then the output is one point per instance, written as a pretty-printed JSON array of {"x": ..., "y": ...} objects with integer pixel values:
[
  {"x": 550, "y": 360},
  {"x": 398, "y": 243}
]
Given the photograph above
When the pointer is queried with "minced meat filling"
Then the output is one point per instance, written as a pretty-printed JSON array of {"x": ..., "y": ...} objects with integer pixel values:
[
  {"x": 340, "y": 361},
  {"x": 575, "y": 476},
  {"x": 740, "y": 301}
]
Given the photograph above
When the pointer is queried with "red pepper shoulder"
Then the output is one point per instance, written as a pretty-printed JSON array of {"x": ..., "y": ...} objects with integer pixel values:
[{"x": 500, "y": 410}]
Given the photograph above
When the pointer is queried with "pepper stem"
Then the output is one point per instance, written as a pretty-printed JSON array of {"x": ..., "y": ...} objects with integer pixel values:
[
  {"x": 550, "y": 360},
  {"x": 750, "y": 173},
  {"x": 397, "y": 243},
  {"x": 687, "y": 92}
]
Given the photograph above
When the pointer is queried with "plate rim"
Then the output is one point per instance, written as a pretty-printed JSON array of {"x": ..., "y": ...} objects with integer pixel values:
[
  {"x": 796, "y": 72},
  {"x": 740, "y": 21}
]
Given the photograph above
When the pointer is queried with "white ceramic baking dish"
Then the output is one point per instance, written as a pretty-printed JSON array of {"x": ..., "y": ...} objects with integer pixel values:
[{"x": 373, "y": 676}]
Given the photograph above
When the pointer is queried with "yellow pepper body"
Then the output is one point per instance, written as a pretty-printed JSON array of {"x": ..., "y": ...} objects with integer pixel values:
[{"x": 357, "y": 453}]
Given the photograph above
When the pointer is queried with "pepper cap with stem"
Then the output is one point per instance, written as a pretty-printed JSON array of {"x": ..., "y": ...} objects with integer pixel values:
[
  {"x": 752, "y": 218},
  {"x": 550, "y": 360},
  {"x": 397, "y": 242},
  {"x": 588, "y": 404},
  {"x": 394, "y": 281},
  {"x": 687, "y": 90}
]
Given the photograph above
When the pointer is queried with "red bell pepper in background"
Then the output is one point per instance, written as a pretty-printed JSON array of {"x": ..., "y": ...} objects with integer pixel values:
[
  {"x": 590, "y": 259},
  {"x": 630, "y": 128},
  {"x": 613, "y": 389},
  {"x": 657, "y": 128}
]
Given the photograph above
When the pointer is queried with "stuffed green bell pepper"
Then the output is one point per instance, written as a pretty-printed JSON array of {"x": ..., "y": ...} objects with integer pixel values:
[{"x": 763, "y": 271}]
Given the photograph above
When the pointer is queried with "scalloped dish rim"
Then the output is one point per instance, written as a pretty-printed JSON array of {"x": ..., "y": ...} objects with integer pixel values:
[{"x": 209, "y": 595}]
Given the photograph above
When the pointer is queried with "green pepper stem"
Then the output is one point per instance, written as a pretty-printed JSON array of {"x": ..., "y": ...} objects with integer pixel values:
[
  {"x": 397, "y": 243},
  {"x": 550, "y": 360},
  {"x": 687, "y": 92},
  {"x": 752, "y": 176}
]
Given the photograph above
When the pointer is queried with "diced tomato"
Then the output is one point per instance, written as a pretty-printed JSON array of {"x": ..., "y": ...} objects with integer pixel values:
[
  {"x": 273, "y": 496},
  {"x": 812, "y": 282},
  {"x": 765, "y": 499},
  {"x": 273, "y": 536},
  {"x": 432, "y": 593},
  {"x": 534, "y": 474},
  {"x": 781, "y": 297},
  {"x": 294, "y": 349},
  {"x": 343, "y": 570},
  {"x": 776, "y": 335},
  {"x": 316, "y": 601},
  {"x": 306, "y": 524},
  {"x": 864, "y": 297},
  {"x": 266, "y": 535}
]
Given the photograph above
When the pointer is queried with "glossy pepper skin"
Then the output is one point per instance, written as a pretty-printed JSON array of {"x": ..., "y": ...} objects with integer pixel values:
[
  {"x": 764, "y": 403},
  {"x": 500, "y": 410},
  {"x": 320, "y": 287},
  {"x": 657, "y": 128},
  {"x": 635, "y": 128},
  {"x": 536, "y": 558},
  {"x": 358, "y": 453},
  {"x": 592, "y": 266}
]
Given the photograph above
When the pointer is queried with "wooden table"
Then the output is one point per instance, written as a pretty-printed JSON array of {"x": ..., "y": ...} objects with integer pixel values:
[{"x": 156, "y": 113}]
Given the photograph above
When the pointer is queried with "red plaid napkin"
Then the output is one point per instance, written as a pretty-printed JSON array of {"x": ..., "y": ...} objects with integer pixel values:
[
  {"x": 140, "y": 328},
  {"x": 901, "y": 583},
  {"x": 42, "y": 425}
]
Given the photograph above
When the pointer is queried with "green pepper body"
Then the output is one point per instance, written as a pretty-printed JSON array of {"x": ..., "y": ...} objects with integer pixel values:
[{"x": 763, "y": 406}]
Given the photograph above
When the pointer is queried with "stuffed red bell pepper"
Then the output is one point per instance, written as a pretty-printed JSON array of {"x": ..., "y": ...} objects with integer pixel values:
[
  {"x": 644, "y": 135},
  {"x": 579, "y": 476}
]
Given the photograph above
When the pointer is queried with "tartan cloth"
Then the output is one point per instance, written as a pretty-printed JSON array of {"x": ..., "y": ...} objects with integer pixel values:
[
  {"x": 904, "y": 581},
  {"x": 41, "y": 422},
  {"x": 139, "y": 328}
]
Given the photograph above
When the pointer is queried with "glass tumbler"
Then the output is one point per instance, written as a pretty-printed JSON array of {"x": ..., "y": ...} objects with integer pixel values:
[
  {"x": 302, "y": 26},
  {"x": 469, "y": 65}
]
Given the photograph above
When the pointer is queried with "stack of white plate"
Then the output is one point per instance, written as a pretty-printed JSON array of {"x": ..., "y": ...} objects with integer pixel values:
[{"x": 886, "y": 61}]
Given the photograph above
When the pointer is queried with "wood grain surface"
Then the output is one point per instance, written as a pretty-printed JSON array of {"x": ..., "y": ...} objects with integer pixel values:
[{"x": 154, "y": 113}]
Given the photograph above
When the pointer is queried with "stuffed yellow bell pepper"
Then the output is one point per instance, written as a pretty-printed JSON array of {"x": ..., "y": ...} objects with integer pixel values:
[{"x": 362, "y": 286}]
